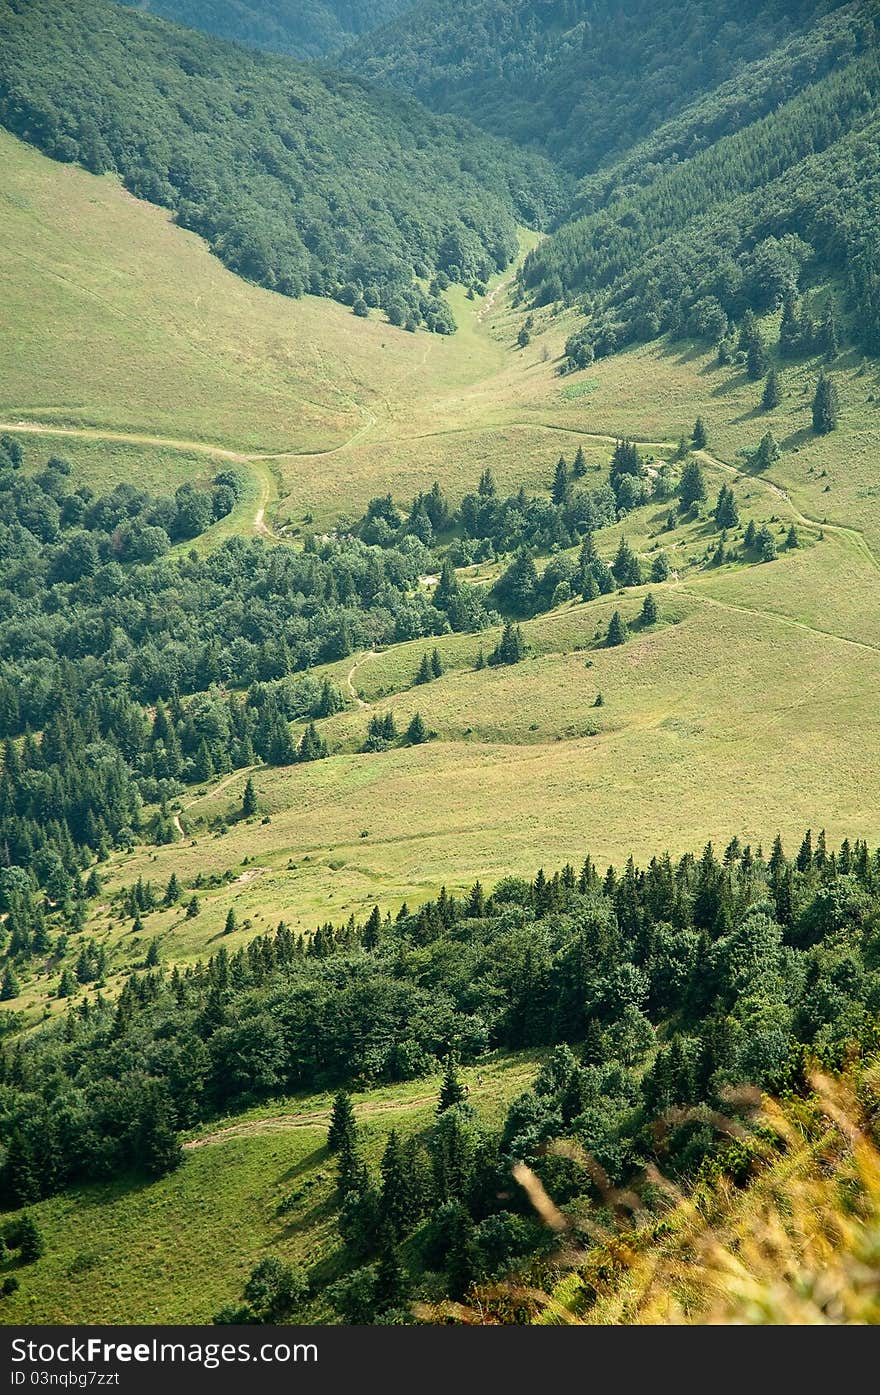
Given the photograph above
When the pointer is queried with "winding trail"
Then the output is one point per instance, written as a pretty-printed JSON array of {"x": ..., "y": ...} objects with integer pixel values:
[
  {"x": 370, "y": 654},
  {"x": 287, "y": 1123}
]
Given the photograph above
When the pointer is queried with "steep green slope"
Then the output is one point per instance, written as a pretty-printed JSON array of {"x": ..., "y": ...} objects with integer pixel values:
[
  {"x": 735, "y": 204},
  {"x": 299, "y": 180},
  {"x": 583, "y": 78},
  {"x": 303, "y": 28}
]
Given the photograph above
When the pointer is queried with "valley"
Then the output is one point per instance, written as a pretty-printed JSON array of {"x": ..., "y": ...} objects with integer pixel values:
[{"x": 375, "y": 578}]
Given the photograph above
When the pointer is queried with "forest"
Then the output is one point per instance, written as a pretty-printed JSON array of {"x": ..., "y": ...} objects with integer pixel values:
[
  {"x": 582, "y": 79},
  {"x": 660, "y": 987},
  {"x": 691, "y": 231},
  {"x": 299, "y": 179},
  {"x": 304, "y": 30}
]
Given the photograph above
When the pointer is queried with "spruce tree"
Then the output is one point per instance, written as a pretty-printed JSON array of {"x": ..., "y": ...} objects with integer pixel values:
[
  {"x": 436, "y": 663},
  {"x": 772, "y": 394},
  {"x": 451, "y": 1091},
  {"x": 692, "y": 486},
  {"x": 829, "y": 333},
  {"x": 756, "y": 357},
  {"x": 825, "y": 405},
  {"x": 660, "y": 567},
  {"x": 416, "y": 732},
  {"x": 560, "y": 489},
  {"x": 391, "y": 1281},
  {"x": 173, "y": 890},
  {"x": 29, "y": 1238},
  {"x": 231, "y": 922},
  {"x": 9, "y": 986},
  {"x": 342, "y": 1131},
  {"x": 617, "y": 631},
  {"x": 424, "y": 674},
  {"x": 650, "y": 611},
  {"x": 312, "y": 746},
  {"x": 249, "y": 799},
  {"x": 726, "y": 512},
  {"x": 579, "y": 464},
  {"x": 699, "y": 435}
]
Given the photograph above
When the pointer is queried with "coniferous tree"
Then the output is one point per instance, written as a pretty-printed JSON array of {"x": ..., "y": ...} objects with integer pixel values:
[
  {"x": 561, "y": 488},
  {"x": 391, "y": 1281},
  {"x": 30, "y": 1239},
  {"x": 617, "y": 630},
  {"x": 312, "y": 746},
  {"x": 660, "y": 569},
  {"x": 829, "y": 332},
  {"x": 416, "y": 732},
  {"x": 772, "y": 394},
  {"x": 436, "y": 664},
  {"x": 825, "y": 405},
  {"x": 424, "y": 674},
  {"x": 173, "y": 891},
  {"x": 511, "y": 647},
  {"x": 756, "y": 357},
  {"x": 9, "y": 985},
  {"x": 249, "y": 799},
  {"x": 451, "y": 1091},
  {"x": 650, "y": 611},
  {"x": 342, "y": 1131},
  {"x": 767, "y": 454},
  {"x": 691, "y": 487},
  {"x": 699, "y": 435},
  {"x": 625, "y": 567},
  {"x": 231, "y": 922},
  {"x": 726, "y": 512},
  {"x": 579, "y": 464}
]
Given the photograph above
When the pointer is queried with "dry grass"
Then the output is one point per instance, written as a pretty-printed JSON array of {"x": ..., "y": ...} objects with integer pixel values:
[{"x": 798, "y": 1245}]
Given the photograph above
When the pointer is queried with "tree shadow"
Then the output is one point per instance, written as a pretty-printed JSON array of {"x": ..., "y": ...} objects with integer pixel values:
[
  {"x": 305, "y": 1164},
  {"x": 797, "y": 438}
]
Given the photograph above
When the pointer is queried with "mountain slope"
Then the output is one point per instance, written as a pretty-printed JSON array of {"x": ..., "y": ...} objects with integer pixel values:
[
  {"x": 303, "y": 28},
  {"x": 582, "y": 78},
  {"x": 766, "y": 186},
  {"x": 299, "y": 180}
]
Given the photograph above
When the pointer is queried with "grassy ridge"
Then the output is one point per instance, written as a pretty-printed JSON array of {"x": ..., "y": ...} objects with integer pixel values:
[{"x": 177, "y": 1250}]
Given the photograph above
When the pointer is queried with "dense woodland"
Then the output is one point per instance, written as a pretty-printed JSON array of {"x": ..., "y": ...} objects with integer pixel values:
[
  {"x": 299, "y": 179},
  {"x": 660, "y": 985},
  {"x": 303, "y": 28},
  {"x": 584, "y": 79},
  {"x": 733, "y": 208}
]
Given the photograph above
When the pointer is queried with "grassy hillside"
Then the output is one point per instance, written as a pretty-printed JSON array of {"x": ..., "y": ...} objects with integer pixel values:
[
  {"x": 119, "y": 1253},
  {"x": 707, "y": 722},
  {"x": 303, "y": 30},
  {"x": 300, "y": 179}
]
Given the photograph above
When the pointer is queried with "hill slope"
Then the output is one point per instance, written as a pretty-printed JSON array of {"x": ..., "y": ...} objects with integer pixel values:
[
  {"x": 299, "y": 180},
  {"x": 582, "y": 78},
  {"x": 767, "y": 186},
  {"x": 302, "y": 28}
]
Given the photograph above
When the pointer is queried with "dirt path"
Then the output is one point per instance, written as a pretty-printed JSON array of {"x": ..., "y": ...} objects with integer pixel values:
[
  {"x": 852, "y": 535},
  {"x": 286, "y": 1123},
  {"x": 370, "y": 654},
  {"x": 488, "y": 304}
]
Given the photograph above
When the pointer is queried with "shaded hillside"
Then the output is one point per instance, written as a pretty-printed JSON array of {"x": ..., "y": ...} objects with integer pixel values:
[
  {"x": 303, "y": 28},
  {"x": 754, "y": 193},
  {"x": 299, "y": 180},
  {"x": 582, "y": 78}
]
